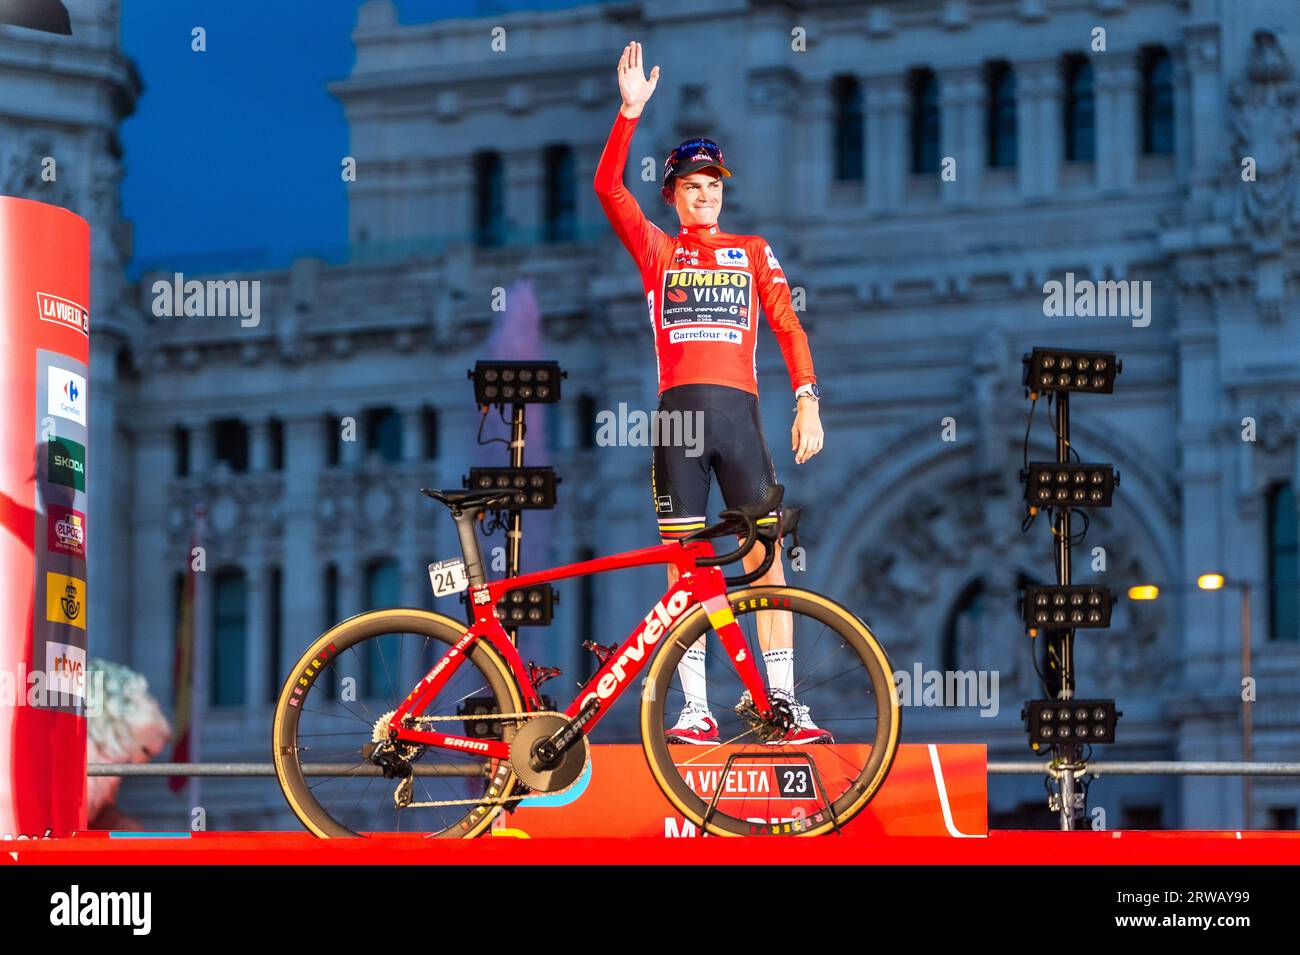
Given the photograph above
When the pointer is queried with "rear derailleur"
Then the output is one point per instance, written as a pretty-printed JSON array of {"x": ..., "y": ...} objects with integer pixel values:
[{"x": 769, "y": 729}]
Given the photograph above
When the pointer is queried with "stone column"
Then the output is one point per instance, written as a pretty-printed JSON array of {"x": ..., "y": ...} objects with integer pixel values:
[
  {"x": 154, "y": 562},
  {"x": 1203, "y": 134},
  {"x": 887, "y": 143},
  {"x": 770, "y": 96},
  {"x": 301, "y": 581},
  {"x": 412, "y": 432},
  {"x": 352, "y": 453},
  {"x": 817, "y": 112},
  {"x": 109, "y": 536},
  {"x": 259, "y": 445},
  {"x": 351, "y": 601},
  {"x": 961, "y": 133},
  {"x": 1117, "y": 119},
  {"x": 524, "y": 181},
  {"x": 257, "y": 671},
  {"x": 203, "y": 448},
  {"x": 1040, "y": 133}
]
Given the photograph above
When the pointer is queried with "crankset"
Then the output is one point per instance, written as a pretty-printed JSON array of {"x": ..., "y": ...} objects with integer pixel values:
[{"x": 541, "y": 765}]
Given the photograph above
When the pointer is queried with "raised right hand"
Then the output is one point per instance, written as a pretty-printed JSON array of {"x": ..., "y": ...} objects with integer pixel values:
[{"x": 635, "y": 89}]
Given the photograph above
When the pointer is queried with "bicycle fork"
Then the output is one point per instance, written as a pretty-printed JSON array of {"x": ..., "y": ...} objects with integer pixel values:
[{"x": 728, "y": 630}]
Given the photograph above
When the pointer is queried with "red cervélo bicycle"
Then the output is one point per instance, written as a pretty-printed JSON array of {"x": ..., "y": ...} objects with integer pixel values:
[{"x": 405, "y": 720}]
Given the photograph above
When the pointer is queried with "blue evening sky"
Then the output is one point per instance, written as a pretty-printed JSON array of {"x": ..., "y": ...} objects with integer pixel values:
[{"x": 232, "y": 156}]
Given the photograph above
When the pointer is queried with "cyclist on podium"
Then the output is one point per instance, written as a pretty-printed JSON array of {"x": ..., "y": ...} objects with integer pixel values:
[{"x": 703, "y": 288}]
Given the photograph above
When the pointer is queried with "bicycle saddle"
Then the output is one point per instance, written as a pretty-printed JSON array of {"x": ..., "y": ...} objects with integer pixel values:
[
  {"x": 759, "y": 508},
  {"x": 463, "y": 500}
]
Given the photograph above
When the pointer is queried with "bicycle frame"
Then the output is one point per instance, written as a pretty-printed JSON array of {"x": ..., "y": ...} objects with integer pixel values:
[{"x": 704, "y": 586}]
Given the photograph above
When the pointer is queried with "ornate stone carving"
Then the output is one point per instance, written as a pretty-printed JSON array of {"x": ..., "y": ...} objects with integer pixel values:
[
  {"x": 1265, "y": 119},
  {"x": 20, "y": 171},
  {"x": 910, "y": 577}
]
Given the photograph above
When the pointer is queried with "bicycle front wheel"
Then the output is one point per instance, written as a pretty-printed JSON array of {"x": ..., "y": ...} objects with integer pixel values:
[
  {"x": 839, "y": 687},
  {"x": 326, "y": 731}
]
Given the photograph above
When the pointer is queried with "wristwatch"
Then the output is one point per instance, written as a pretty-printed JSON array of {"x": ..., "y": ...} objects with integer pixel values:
[{"x": 808, "y": 391}]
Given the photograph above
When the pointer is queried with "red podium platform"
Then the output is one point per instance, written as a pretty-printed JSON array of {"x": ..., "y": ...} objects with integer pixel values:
[
  {"x": 931, "y": 811},
  {"x": 997, "y": 848}
]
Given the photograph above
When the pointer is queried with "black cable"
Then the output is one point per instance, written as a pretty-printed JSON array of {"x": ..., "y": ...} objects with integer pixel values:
[
  {"x": 1076, "y": 537},
  {"x": 1029, "y": 424},
  {"x": 1051, "y": 418},
  {"x": 482, "y": 421}
]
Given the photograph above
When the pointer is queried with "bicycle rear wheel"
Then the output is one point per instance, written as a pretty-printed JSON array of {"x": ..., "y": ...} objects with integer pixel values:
[
  {"x": 358, "y": 673},
  {"x": 840, "y": 673}
]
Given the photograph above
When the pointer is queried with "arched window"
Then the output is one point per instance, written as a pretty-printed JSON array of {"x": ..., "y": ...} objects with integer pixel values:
[
  {"x": 383, "y": 590},
  {"x": 1079, "y": 124},
  {"x": 559, "y": 196},
  {"x": 1157, "y": 102},
  {"x": 1000, "y": 115},
  {"x": 966, "y": 622},
  {"x": 489, "y": 200},
  {"x": 181, "y": 445},
  {"x": 846, "y": 93},
  {"x": 384, "y": 433},
  {"x": 229, "y": 637},
  {"x": 924, "y": 121},
  {"x": 230, "y": 443},
  {"x": 1283, "y": 564}
]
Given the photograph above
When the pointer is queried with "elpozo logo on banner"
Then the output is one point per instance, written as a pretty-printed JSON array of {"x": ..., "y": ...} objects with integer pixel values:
[{"x": 67, "y": 395}]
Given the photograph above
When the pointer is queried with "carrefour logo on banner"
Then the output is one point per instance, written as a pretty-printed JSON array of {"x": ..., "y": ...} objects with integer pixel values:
[
  {"x": 67, "y": 395},
  {"x": 63, "y": 312}
]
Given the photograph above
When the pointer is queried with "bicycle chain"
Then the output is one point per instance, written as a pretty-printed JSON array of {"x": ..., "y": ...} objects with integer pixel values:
[{"x": 510, "y": 799}]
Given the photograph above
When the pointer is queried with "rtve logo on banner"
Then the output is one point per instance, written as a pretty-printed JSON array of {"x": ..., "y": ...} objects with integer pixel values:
[
  {"x": 65, "y": 599},
  {"x": 68, "y": 463},
  {"x": 67, "y": 395}
]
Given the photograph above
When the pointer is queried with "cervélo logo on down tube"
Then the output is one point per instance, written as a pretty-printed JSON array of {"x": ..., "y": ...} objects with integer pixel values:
[{"x": 62, "y": 311}]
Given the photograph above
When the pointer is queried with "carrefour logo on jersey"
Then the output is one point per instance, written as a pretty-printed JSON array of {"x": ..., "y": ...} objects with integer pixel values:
[
  {"x": 736, "y": 258},
  {"x": 67, "y": 395},
  {"x": 706, "y": 297}
]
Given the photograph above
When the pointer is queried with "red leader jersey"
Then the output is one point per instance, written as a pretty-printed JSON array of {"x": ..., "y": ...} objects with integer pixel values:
[{"x": 700, "y": 286}]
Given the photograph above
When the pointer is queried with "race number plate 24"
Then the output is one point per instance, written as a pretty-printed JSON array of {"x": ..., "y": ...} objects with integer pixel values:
[{"x": 448, "y": 577}]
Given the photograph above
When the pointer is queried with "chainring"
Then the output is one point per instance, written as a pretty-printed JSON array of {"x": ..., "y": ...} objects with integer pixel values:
[{"x": 553, "y": 778}]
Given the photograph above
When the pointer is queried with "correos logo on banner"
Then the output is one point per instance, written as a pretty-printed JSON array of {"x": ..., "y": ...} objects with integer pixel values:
[{"x": 67, "y": 395}]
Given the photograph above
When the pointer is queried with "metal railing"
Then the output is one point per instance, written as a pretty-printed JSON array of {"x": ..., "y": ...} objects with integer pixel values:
[{"x": 995, "y": 768}]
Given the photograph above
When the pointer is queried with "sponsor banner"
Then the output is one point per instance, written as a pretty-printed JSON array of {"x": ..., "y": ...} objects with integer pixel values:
[
  {"x": 67, "y": 463},
  {"x": 65, "y": 669},
  {"x": 706, "y": 297},
  {"x": 67, "y": 395},
  {"x": 62, "y": 311},
  {"x": 65, "y": 599},
  {"x": 66, "y": 531},
  {"x": 941, "y": 794}
]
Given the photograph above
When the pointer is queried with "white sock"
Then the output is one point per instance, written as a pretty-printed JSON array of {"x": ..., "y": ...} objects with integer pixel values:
[
  {"x": 780, "y": 669},
  {"x": 691, "y": 673}
]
